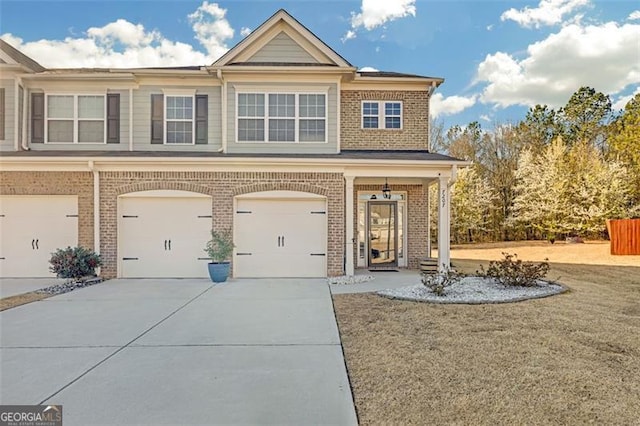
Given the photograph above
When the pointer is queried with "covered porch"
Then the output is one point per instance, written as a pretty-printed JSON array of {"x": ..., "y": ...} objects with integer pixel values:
[{"x": 388, "y": 219}]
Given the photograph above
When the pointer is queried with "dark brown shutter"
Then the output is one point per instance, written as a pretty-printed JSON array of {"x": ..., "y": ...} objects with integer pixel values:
[
  {"x": 202, "y": 108},
  {"x": 2, "y": 115},
  {"x": 37, "y": 118},
  {"x": 157, "y": 119},
  {"x": 113, "y": 118}
]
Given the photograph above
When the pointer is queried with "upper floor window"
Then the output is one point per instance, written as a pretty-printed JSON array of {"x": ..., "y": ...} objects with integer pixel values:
[
  {"x": 281, "y": 117},
  {"x": 381, "y": 115},
  {"x": 179, "y": 117},
  {"x": 75, "y": 119},
  {"x": 179, "y": 123}
]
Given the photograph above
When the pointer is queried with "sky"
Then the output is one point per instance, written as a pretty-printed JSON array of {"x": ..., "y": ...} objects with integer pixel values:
[{"x": 498, "y": 57}]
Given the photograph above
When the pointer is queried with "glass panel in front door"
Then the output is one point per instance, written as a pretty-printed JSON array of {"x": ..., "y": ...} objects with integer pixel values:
[{"x": 383, "y": 233}]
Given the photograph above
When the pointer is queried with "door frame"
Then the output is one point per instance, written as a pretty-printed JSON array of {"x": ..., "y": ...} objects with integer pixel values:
[
  {"x": 402, "y": 205},
  {"x": 368, "y": 232}
]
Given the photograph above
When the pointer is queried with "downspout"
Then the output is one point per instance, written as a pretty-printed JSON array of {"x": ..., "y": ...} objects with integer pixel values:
[
  {"x": 223, "y": 101},
  {"x": 96, "y": 206},
  {"x": 25, "y": 119},
  {"x": 130, "y": 119},
  {"x": 431, "y": 90}
]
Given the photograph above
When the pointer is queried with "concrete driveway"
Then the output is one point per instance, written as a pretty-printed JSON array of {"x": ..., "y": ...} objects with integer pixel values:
[{"x": 180, "y": 352}]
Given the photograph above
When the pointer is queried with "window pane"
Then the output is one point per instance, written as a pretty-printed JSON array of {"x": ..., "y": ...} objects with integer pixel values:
[
  {"x": 91, "y": 107},
  {"x": 179, "y": 107},
  {"x": 60, "y": 106},
  {"x": 60, "y": 131},
  {"x": 312, "y": 106},
  {"x": 370, "y": 122},
  {"x": 392, "y": 108},
  {"x": 282, "y": 105},
  {"x": 91, "y": 131},
  {"x": 250, "y": 105},
  {"x": 282, "y": 130},
  {"x": 251, "y": 130},
  {"x": 392, "y": 122},
  {"x": 312, "y": 131},
  {"x": 370, "y": 108},
  {"x": 179, "y": 132}
]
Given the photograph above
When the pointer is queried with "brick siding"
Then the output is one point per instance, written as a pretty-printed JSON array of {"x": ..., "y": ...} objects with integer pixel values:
[
  {"x": 57, "y": 183},
  {"x": 222, "y": 186},
  {"x": 415, "y": 121}
]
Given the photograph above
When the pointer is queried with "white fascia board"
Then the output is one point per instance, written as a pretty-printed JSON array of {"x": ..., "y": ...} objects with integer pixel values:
[{"x": 349, "y": 167}]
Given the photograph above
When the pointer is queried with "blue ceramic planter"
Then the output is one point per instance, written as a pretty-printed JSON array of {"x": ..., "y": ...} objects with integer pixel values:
[{"x": 219, "y": 271}]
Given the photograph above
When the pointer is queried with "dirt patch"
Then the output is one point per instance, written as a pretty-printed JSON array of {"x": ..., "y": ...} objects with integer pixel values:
[
  {"x": 21, "y": 299},
  {"x": 570, "y": 359},
  {"x": 589, "y": 253}
]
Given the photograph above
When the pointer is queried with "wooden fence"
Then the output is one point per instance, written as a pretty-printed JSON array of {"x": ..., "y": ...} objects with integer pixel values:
[{"x": 624, "y": 235}]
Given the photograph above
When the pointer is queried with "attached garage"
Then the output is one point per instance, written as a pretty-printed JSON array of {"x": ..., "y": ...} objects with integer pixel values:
[
  {"x": 33, "y": 227},
  {"x": 162, "y": 234},
  {"x": 280, "y": 234}
]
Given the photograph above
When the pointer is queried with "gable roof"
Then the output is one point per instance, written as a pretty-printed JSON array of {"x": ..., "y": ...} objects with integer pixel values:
[
  {"x": 278, "y": 23},
  {"x": 18, "y": 58}
]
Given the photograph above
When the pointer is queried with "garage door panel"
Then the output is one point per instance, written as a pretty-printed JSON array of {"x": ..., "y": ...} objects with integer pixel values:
[
  {"x": 280, "y": 237},
  {"x": 32, "y": 228},
  {"x": 167, "y": 237}
]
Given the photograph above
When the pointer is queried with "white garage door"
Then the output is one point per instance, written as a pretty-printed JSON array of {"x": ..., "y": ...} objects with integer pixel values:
[
  {"x": 280, "y": 237},
  {"x": 162, "y": 234},
  {"x": 31, "y": 228}
]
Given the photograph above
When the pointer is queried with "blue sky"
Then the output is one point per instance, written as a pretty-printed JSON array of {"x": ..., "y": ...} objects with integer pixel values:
[{"x": 497, "y": 57}]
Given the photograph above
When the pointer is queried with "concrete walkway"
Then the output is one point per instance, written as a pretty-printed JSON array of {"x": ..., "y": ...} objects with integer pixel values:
[
  {"x": 180, "y": 352},
  {"x": 14, "y": 286}
]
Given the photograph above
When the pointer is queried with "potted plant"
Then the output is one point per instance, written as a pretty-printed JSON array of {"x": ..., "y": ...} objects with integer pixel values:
[{"x": 219, "y": 249}]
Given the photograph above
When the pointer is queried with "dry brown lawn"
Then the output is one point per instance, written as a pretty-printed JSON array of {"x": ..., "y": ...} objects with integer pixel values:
[
  {"x": 567, "y": 359},
  {"x": 21, "y": 299}
]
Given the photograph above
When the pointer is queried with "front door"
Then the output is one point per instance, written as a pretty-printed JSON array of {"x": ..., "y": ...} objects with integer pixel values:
[{"x": 383, "y": 234}]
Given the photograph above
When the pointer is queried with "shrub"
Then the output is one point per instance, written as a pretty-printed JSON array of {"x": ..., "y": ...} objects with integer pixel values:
[
  {"x": 437, "y": 283},
  {"x": 220, "y": 247},
  {"x": 74, "y": 262},
  {"x": 512, "y": 271}
]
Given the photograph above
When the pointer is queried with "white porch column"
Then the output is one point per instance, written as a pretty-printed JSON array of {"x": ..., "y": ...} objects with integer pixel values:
[
  {"x": 427, "y": 186},
  {"x": 444, "y": 224},
  {"x": 349, "y": 237}
]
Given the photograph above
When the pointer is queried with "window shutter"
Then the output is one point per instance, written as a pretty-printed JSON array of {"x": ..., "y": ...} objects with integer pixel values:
[
  {"x": 1, "y": 114},
  {"x": 202, "y": 108},
  {"x": 37, "y": 118},
  {"x": 113, "y": 118},
  {"x": 157, "y": 119}
]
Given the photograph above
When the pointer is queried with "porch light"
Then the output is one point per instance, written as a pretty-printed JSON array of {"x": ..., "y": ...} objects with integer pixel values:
[{"x": 386, "y": 191}]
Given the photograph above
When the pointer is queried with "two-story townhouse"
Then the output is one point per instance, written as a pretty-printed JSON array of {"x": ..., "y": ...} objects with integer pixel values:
[{"x": 316, "y": 167}]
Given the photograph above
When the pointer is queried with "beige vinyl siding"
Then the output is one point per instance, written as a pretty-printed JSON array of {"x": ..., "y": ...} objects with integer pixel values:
[
  {"x": 142, "y": 119},
  {"x": 287, "y": 147},
  {"x": 282, "y": 48},
  {"x": 124, "y": 133},
  {"x": 8, "y": 142}
]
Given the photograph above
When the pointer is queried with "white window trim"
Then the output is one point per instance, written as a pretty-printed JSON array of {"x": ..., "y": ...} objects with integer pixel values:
[
  {"x": 168, "y": 93},
  {"x": 296, "y": 117},
  {"x": 75, "y": 118},
  {"x": 381, "y": 114}
]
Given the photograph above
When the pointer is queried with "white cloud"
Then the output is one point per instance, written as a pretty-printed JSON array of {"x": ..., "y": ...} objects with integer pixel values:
[
  {"x": 634, "y": 16},
  {"x": 122, "y": 44},
  {"x": 548, "y": 12},
  {"x": 489, "y": 27},
  {"x": 376, "y": 13},
  {"x": 449, "y": 105},
  {"x": 604, "y": 57},
  {"x": 212, "y": 28},
  {"x": 485, "y": 117},
  {"x": 368, "y": 69},
  {"x": 245, "y": 31},
  {"x": 622, "y": 101}
]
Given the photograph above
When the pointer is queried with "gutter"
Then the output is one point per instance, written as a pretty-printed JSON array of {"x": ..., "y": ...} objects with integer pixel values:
[
  {"x": 223, "y": 101},
  {"x": 25, "y": 120},
  {"x": 96, "y": 206}
]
